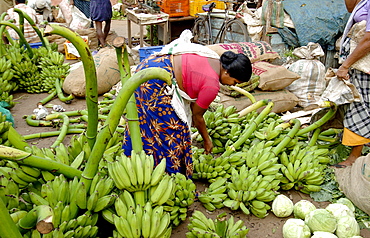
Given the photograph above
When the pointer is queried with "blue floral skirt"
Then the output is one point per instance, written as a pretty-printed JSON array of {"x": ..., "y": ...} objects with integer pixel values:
[{"x": 163, "y": 134}]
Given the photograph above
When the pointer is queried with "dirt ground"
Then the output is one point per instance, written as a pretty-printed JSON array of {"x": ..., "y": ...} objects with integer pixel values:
[{"x": 270, "y": 226}]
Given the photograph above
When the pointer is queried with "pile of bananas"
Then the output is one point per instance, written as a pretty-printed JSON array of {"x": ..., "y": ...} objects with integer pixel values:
[
  {"x": 249, "y": 190},
  {"x": 7, "y": 86},
  {"x": 247, "y": 86},
  {"x": 181, "y": 198},
  {"x": 303, "y": 168},
  {"x": 201, "y": 226},
  {"x": 4, "y": 128},
  {"x": 214, "y": 196},
  {"x": 143, "y": 221},
  {"x": 35, "y": 73},
  {"x": 9, "y": 192}
]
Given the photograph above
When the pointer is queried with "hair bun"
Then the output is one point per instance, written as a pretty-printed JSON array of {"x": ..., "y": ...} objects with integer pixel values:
[{"x": 228, "y": 57}]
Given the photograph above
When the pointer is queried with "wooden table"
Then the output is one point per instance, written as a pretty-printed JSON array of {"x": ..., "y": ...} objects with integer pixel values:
[{"x": 143, "y": 19}]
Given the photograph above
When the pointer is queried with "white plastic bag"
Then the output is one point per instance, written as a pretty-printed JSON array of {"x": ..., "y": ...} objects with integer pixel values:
[
  {"x": 183, "y": 45},
  {"x": 340, "y": 91},
  {"x": 79, "y": 20}
]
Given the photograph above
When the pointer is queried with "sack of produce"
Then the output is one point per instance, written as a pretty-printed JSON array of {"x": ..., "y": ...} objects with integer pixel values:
[
  {"x": 107, "y": 73},
  {"x": 273, "y": 77}
]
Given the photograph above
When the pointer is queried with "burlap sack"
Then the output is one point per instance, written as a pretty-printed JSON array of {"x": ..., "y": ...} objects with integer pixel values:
[
  {"x": 273, "y": 77},
  {"x": 354, "y": 181},
  {"x": 283, "y": 100},
  {"x": 107, "y": 72},
  {"x": 256, "y": 51},
  {"x": 356, "y": 34},
  {"x": 309, "y": 87}
]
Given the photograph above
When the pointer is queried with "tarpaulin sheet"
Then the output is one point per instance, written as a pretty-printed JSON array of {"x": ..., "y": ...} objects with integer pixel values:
[{"x": 318, "y": 21}]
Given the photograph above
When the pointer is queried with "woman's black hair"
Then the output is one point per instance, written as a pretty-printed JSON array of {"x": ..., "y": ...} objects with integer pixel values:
[
  {"x": 21, "y": 1},
  {"x": 237, "y": 65}
]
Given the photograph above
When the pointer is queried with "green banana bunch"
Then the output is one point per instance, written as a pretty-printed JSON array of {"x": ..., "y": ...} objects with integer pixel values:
[
  {"x": 9, "y": 192},
  {"x": 248, "y": 185},
  {"x": 136, "y": 173},
  {"x": 208, "y": 167},
  {"x": 181, "y": 198},
  {"x": 144, "y": 221},
  {"x": 100, "y": 196},
  {"x": 247, "y": 86},
  {"x": 302, "y": 167},
  {"x": 214, "y": 196},
  {"x": 201, "y": 226}
]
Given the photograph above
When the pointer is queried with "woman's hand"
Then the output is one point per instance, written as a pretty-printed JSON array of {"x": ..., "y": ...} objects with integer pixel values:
[
  {"x": 342, "y": 73},
  {"x": 200, "y": 124}
]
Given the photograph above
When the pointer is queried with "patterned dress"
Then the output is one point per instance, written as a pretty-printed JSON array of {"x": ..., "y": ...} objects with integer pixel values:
[{"x": 163, "y": 133}]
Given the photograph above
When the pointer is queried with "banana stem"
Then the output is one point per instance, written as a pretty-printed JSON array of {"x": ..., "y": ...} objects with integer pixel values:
[
  {"x": 90, "y": 77},
  {"x": 41, "y": 217},
  {"x": 63, "y": 129},
  {"x": 314, "y": 137},
  {"x": 251, "y": 128},
  {"x": 110, "y": 125},
  {"x": 253, "y": 107},
  {"x": 50, "y": 134},
  {"x": 24, "y": 15},
  {"x": 60, "y": 93},
  {"x": 131, "y": 114},
  {"x": 21, "y": 36},
  {"x": 332, "y": 110},
  {"x": 244, "y": 92},
  {"x": 25, "y": 158},
  {"x": 48, "y": 98},
  {"x": 288, "y": 137},
  {"x": 8, "y": 228}
]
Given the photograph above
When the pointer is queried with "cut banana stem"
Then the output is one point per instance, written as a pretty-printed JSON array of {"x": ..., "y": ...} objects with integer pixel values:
[
  {"x": 314, "y": 137},
  {"x": 252, "y": 127},
  {"x": 253, "y": 107},
  {"x": 51, "y": 133},
  {"x": 114, "y": 116},
  {"x": 41, "y": 217},
  {"x": 288, "y": 137},
  {"x": 244, "y": 92},
  {"x": 25, "y": 158},
  {"x": 21, "y": 36},
  {"x": 63, "y": 129}
]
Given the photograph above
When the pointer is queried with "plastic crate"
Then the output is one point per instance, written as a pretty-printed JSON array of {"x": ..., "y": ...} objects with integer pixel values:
[
  {"x": 144, "y": 52},
  {"x": 196, "y": 6},
  {"x": 175, "y": 8}
]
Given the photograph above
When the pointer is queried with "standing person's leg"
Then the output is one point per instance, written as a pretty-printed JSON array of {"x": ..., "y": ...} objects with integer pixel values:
[
  {"x": 107, "y": 28},
  {"x": 99, "y": 33}
]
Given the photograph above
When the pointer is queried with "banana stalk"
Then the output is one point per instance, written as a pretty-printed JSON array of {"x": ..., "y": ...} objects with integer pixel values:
[
  {"x": 48, "y": 98},
  {"x": 25, "y": 158},
  {"x": 131, "y": 114},
  {"x": 314, "y": 137},
  {"x": 63, "y": 129},
  {"x": 22, "y": 16},
  {"x": 297, "y": 124},
  {"x": 331, "y": 112},
  {"x": 253, "y": 107},
  {"x": 50, "y": 134},
  {"x": 90, "y": 77},
  {"x": 114, "y": 115},
  {"x": 251, "y": 128},
  {"x": 21, "y": 36},
  {"x": 244, "y": 92},
  {"x": 60, "y": 93},
  {"x": 8, "y": 228},
  {"x": 41, "y": 217}
]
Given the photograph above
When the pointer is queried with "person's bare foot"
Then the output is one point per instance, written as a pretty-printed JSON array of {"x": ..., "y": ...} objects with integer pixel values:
[{"x": 355, "y": 153}]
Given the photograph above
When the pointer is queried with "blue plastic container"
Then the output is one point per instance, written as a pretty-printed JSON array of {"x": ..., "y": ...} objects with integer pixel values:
[
  {"x": 144, "y": 52},
  {"x": 36, "y": 45}
]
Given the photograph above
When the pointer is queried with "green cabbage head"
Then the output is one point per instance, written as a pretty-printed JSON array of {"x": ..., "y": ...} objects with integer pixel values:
[
  {"x": 296, "y": 228},
  {"x": 346, "y": 202},
  {"x": 282, "y": 206},
  {"x": 339, "y": 210},
  {"x": 321, "y": 220},
  {"x": 302, "y": 208},
  {"x": 347, "y": 227}
]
